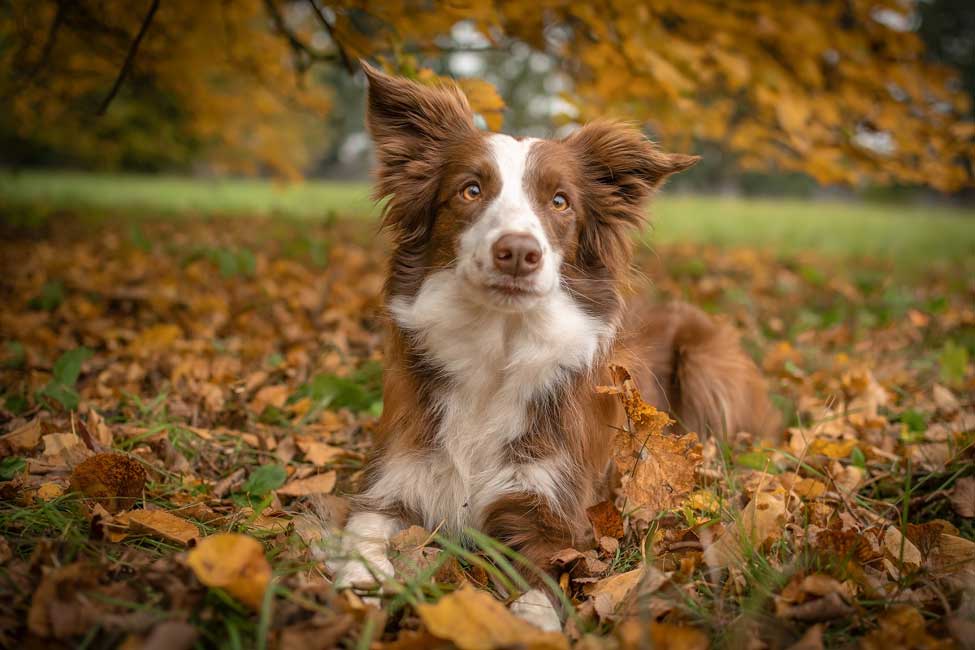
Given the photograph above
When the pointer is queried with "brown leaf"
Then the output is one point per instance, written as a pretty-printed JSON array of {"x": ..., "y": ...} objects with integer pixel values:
[
  {"x": 235, "y": 563},
  {"x": 54, "y": 609},
  {"x": 606, "y": 520},
  {"x": 22, "y": 439},
  {"x": 811, "y": 640},
  {"x": 317, "y": 484},
  {"x": 113, "y": 480},
  {"x": 962, "y": 497},
  {"x": 165, "y": 525},
  {"x": 761, "y": 521},
  {"x": 474, "y": 620},
  {"x": 65, "y": 449},
  {"x": 610, "y": 593},
  {"x": 903, "y": 627},
  {"x": 633, "y": 635},
  {"x": 321, "y": 453}
]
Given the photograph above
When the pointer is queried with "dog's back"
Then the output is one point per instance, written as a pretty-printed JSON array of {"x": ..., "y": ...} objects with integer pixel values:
[{"x": 692, "y": 366}]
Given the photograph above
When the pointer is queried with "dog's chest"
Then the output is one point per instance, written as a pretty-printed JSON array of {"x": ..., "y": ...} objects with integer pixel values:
[{"x": 494, "y": 366}]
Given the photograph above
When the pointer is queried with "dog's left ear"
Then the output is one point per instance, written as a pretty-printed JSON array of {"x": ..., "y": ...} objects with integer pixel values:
[
  {"x": 621, "y": 169},
  {"x": 623, "y": 162}
]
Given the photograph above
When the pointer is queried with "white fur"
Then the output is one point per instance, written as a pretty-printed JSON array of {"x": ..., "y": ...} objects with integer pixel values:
[
  {"x": 363, "y": 561},
  {"x": 535, "y": 607}
]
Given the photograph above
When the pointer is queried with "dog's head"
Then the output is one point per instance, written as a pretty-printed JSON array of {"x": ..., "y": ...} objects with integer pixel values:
[{"x": 512, "y": 219}]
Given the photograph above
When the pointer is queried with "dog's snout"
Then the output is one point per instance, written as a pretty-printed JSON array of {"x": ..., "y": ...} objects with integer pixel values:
[{"x": 517, "y": 254}]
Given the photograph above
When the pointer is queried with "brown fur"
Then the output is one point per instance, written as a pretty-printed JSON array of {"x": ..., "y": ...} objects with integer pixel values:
[{"x": 427, "y": 149}]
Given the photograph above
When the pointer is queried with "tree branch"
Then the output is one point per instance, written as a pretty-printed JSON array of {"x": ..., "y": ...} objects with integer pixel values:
[
  {"x": 129, "y": 57},
  {"x": 343, "y": 55}
]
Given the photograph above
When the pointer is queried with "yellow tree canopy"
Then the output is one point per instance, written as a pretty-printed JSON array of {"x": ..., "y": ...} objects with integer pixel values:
[{"x": 838, "y": 89}]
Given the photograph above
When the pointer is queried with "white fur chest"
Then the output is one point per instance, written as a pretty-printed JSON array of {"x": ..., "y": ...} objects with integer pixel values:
[{"x": 496, "y": 363}]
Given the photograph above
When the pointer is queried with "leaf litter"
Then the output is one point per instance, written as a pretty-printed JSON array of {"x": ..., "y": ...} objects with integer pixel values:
[{"x": 171, "y": 432}]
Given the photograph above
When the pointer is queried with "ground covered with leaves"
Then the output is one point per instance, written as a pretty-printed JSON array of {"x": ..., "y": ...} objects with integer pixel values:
[{"x": 183, "y": 400}]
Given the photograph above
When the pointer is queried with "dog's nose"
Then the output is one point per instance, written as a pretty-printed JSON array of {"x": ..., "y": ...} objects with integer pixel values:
[{"x": 517, "y": 254}]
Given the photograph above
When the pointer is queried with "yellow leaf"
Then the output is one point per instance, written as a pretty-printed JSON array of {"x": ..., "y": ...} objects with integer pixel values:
[
  {"x": 317, "y": 484},
  {"x": 761, "y": 521},
  {"x": 235, "y": 563},
  {"x": 484, "y": 99},
  {"x": 165, "y": 525},
  {"x": 474, "y": 620}
]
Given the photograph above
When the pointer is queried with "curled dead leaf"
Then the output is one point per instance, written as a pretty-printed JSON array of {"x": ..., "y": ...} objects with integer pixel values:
[
  {"x": 317, "y": 484},
  {"x": 473, "y": 620},
  {"x": 235, "y": 563},
  {"x": 164, "y": 525}
]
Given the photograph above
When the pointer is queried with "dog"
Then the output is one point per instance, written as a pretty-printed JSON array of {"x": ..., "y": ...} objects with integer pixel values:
[{"x": 505, "y": 303}]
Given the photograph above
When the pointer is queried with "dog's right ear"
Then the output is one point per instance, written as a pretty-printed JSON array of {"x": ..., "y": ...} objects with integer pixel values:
[{"x": 410, "y": 124}]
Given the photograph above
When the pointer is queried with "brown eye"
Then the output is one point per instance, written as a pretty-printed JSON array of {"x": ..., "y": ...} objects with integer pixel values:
[
  {"x": 560, "y": 202},
  {"x": 471, "y": 192}
]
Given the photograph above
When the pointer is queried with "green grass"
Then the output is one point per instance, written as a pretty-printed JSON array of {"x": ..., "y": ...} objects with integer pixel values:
[{"x": 916, "y": 235}]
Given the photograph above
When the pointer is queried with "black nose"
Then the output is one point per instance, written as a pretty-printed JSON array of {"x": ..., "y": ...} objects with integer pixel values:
[{"x": 517, "y": 254}]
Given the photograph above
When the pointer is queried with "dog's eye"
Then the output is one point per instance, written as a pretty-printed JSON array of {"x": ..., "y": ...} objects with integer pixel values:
[
  {"x": 471, "y": 191},
  {"x": 560, "y": 202}
]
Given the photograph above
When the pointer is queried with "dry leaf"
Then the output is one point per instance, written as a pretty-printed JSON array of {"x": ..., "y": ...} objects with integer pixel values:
[
  {"x": 633, "y": 635},
  {"x": 609, "y": 593},
  {"x": 232, "y": 562},
  {"x": 474, "y": 620},
  {"x": 21, "y": 439},
  {"x": 321, "y": 453},
  {"x": 317, "y": 484},
  {"x": 64, "y": 449},
  {"x": 962, "y": 497},
  {"x": 761, "y": 521},
  {"x": 606, "y": 520},
  {"x": 165, "y": 525},
  {"x": 49, "y": 491}
]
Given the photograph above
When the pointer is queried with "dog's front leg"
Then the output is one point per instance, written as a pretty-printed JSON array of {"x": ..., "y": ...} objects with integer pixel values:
[{"x": 363, "y": 562}]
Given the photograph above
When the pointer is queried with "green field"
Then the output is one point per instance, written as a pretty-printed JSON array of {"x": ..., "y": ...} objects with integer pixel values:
[{"x": 911, "y": 234}]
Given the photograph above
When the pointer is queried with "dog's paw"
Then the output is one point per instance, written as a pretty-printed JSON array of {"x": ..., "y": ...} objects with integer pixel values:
[
  {"x": 535, "y": 607},
  {"x": 356, "y": 574}
]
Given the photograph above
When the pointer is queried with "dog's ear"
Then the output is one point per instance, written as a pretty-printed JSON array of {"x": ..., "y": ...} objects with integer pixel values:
[
  {"x": 410, "y": 124},
  {"x": 620, "y": 169}
]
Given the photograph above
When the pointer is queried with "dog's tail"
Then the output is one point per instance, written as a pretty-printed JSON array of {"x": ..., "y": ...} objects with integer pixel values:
[{"x": 694, "y": 367}]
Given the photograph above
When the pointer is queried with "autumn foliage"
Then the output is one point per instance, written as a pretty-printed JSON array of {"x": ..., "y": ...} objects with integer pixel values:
[{"x": 839, "y": 90}]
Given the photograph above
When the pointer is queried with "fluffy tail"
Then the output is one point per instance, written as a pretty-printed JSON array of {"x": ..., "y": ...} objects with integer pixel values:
[{"x": 694, "y": 368}]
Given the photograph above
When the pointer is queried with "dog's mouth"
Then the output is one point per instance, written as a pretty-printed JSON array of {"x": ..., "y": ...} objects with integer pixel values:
[{"x": 512, "y": 290}]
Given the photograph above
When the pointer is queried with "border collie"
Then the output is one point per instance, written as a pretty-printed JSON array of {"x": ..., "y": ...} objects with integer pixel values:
[{"x": 505, "y": 308}]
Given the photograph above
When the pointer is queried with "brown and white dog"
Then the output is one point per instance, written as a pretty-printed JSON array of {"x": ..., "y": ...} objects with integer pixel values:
[{"x": 505, "y": 306}]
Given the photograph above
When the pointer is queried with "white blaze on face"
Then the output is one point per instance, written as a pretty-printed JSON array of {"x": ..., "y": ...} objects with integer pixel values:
[{"x": 510, "y": 212}]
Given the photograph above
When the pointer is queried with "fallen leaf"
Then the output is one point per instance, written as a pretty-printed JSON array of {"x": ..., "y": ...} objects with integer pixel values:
[
  {"x": 274, "y": 396},
  {"x": 811, "y": 640},
  {"x": 232, "y": 562},
  {"x": 21, "y": 439},
  {"x": 903, "y": 627},
  {"x": 165, "y": 525},
  {"x": 54, "y": 609},
  {"x": 962, "y": 497},
  {"x": 64, "y": 449},
  {"x": 320, "y": 453},
  {"x": 317, "y": 484},
  {"x": 945, "y": 400},
  {"x": 606, "y": 520},
  {"x": 113, "y": 480},
  {"x": 633, "y": 635},
  {"x": 474, "y": 620},
  {"x": 49, "y": 491},
  {"x": 609, "y": 593},
  {"x": 761, "y": 521},
  {"x": 900, "y": 549}
]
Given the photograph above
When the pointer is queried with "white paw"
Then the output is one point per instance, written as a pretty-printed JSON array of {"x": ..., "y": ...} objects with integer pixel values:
[
  {"x": 535, "y": 607},
  {"x": 355, "y": 573}
]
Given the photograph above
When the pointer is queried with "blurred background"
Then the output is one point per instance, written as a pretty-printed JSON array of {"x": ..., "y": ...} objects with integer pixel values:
[{"x": 834, "y": 124}]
